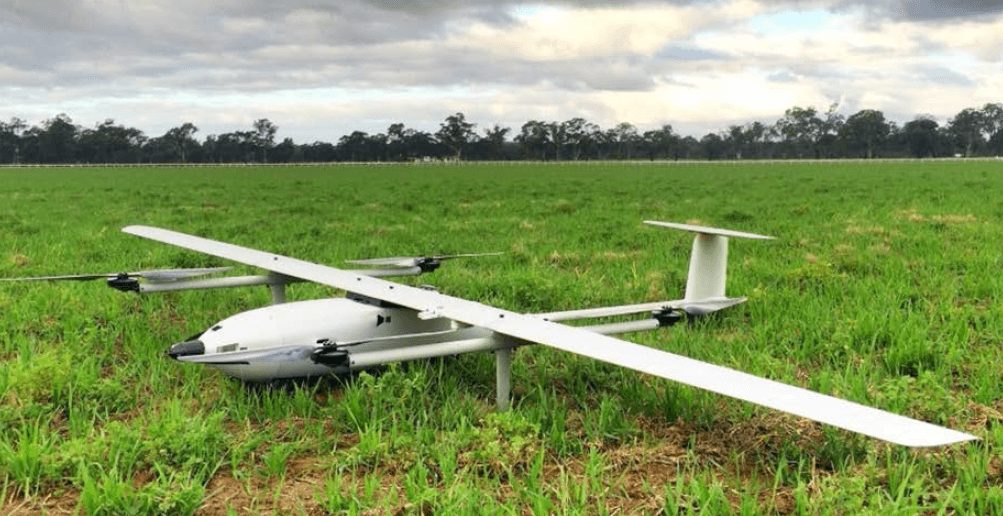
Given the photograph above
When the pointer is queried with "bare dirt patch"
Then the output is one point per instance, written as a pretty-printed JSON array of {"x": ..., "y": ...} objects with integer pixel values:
[
  {"x": 854, "y": 229},
  {"x": 954, "y": 219},
  {"x": 913, "y": 215},
  {"x": 636, "y": 472},
  {"x": 295, "y": 492},
  {"x": 59, "y": 502}
]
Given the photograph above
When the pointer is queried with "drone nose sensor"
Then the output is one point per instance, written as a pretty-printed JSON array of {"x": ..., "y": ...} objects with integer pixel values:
[{"x": 189, "y": 347}]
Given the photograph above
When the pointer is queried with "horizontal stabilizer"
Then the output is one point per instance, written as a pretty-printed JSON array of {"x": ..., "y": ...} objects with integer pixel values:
[
  {"x": 707, "y": 306},
  {"x": 708, "y": 231}
]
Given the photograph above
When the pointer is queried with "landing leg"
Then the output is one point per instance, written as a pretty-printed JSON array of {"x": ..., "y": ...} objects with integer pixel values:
[
  {"x": 278, "y": 293},
  {"x": 503, "y": 374}
]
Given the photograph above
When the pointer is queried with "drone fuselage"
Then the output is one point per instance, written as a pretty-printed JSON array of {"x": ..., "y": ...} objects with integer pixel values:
[{"x": 312, "y": 338}]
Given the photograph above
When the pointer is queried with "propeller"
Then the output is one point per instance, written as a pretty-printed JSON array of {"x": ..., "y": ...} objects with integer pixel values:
[
  {"x": 153, "y": 276},
  {"x": 427, "y": 263}
]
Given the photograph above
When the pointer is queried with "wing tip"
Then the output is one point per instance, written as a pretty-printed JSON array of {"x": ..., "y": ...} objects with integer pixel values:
[
  {"x": 945, "y": 437},
  {"x": 134, "y": 229},
  {"x": 151, "y": 232}
]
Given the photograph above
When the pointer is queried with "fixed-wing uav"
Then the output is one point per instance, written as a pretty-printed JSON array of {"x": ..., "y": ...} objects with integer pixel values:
[{"x": 380, "y": 322}]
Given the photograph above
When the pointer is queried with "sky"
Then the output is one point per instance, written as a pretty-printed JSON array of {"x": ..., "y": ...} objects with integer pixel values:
[{"x": 320, "y": 69}]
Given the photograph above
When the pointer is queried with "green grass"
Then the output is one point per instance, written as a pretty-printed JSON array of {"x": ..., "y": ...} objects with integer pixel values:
[{"x": 883, "y": 287}]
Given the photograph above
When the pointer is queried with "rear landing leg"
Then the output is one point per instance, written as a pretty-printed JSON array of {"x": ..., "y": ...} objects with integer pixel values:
[
  {"x": 277, "y": 287},
  {"x": 503, "y": 377},
  {"x": 278, "y": 293}
]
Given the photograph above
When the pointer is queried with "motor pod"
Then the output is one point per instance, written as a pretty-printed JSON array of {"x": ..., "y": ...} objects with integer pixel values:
[
  {"x": 429, "y": 264},
  {"x": 186, "y": 348},
  {"x": 667, "y": 317},
  {"x": 124, "y": 282},
  {"x": 336, "y": 359}
]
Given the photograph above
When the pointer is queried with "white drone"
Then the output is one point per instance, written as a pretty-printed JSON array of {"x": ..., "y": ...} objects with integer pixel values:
[{"x": 380, "y": 322}]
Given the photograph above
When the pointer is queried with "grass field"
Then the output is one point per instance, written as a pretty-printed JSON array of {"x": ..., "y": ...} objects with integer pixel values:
[{"x": 883, "y": 287}]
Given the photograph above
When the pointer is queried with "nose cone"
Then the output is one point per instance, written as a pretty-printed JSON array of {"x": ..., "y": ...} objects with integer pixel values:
[{"x": 183, "y": 349}]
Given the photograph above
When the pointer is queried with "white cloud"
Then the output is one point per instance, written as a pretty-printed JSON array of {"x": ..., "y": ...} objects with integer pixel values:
[
  {"x": 982, "y": 38},
  {"x": 565, "y": 32},
  {"x": 319, "y": 70}
]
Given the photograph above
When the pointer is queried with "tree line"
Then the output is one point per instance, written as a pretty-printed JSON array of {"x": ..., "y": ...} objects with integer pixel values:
[{"x": 801, "y": 133}]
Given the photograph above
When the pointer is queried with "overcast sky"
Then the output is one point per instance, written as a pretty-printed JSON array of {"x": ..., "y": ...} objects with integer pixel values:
[{"x": 321, "y": 69}]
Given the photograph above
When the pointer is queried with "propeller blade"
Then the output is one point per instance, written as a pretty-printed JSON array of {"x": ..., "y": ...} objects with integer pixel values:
[
  {"x": 393, "y": 261},
  {"x": 465, "y": 255},
  {"x": 153, "y": 276},
  {"x": 168, "y": 275},
  {"x": 65, "y": 277},
  {"x": 414, "y": 261}
]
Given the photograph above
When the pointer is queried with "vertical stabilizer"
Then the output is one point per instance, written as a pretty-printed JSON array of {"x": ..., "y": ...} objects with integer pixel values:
[
  {"x": 708, "y": 267},
  {"x": 709, "y": 259}
]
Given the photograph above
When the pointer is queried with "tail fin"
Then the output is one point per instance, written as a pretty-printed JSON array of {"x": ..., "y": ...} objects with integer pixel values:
[{"x": 709, "y": 259}]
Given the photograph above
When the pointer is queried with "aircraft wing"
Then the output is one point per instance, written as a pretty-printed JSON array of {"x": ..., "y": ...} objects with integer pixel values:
[{"x": 722, "y": 380}]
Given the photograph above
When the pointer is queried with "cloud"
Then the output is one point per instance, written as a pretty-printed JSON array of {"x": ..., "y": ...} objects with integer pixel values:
[
  {"x": 317, "y": 68},
  {"x": 257, "y": 46},
  {"x": 944, "y": 75},
  {"x": 927, "y": 10}
]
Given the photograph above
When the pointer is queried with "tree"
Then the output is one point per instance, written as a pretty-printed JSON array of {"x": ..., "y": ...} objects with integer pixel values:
[
  {"x": 660, "y": 143},
  {"x": 286, "y": 152},
  {"x": 320, "y": 152},
  {"x": 534, "y": 137},
  {"x": 111, "y": 143},
  {"x": 354, "y": 146},
  {"x": 864, "y": 131},
  {"x": 801, "y": 129},
  {"x": 688, "y": 148},
  {"x": 627, "y": 139},
  {"x": 992, "y": 118},
  {"x": 264, "y": 136},
  {"x": 921, "y": 136},
  {"x": 495, "y": 139},
  {"x": 736, "y": 140},
  {"x": 181, "y": 138},
  {"x": 57, "y": 142},
  {"x": 557, "y": 138},
  {"x": 828, "y": 135},
  {"x": 10, "y": 140},
  {"x": 162, "y": 150},
  {"x": 455, "y": 133},
  {"x": 714, "y": 146},
  {"x": 598, "y": 143},
  {"x": 376, "y": 145},
  {"x": 966, "y": 130},
  {"x": 576, "y": 136},
  {"x": 235, "y": 147},
  {"x": 419, "y": 145},
  {"x": 395, "y": 142},
  {"x": 756, "y": 135}
]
